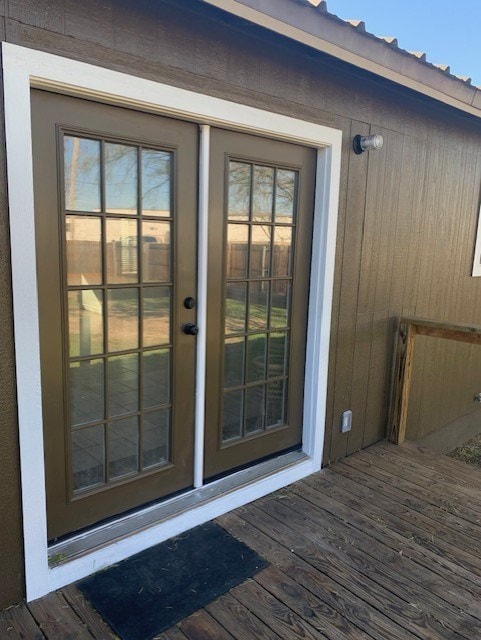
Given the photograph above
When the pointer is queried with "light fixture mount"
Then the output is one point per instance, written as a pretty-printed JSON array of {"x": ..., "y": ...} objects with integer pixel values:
[{"x": 367, "y": 143}]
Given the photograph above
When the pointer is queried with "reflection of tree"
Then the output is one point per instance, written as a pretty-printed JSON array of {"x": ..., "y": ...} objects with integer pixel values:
[
  {"x": 82, "y": 175},
  {"x": 239, "y": 188},
  {"x": 121, "y": 167},
  {"x": 73, "y": 175},
  {"x": 156, "y": 175},
  {"x": 242, "y": 174}
]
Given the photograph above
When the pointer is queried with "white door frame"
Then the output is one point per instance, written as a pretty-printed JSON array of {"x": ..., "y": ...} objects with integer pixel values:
[{"x": 26, "y": 68}]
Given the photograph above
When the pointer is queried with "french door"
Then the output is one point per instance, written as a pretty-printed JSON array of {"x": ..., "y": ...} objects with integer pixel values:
[
  {"x": 262, "y": 198},
  {"x": 116, "y": 232},
  {"x": 115, "y": 200}
]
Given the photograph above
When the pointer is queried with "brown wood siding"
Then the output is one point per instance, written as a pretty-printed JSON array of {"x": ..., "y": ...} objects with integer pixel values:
[
  {"x": 407, "y": 217},
  {"x": 11, "y": 549}
]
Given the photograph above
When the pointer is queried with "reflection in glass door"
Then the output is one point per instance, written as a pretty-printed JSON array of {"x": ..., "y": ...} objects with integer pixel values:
[
  {"x": 118, "y": 230},
  {"x": 261, "y": 218},
  {"x": 261, "y": 207}
]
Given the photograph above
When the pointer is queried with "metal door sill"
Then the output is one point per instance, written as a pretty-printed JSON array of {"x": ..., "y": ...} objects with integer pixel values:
[{"x": 78, "y": 545}]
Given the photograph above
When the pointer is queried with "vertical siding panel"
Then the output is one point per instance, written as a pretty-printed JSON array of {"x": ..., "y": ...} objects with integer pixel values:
[
  {"x": 432, "y": 358},
  {"x": 464, "y": 302},
  {"x": 457, "y": 355},
  {"x": 404, "y": 226},
  {"x": 345, "y": 125},
  {"x": 381, "y": 350},
  {"x": 393, "y": 152},
  {"x": 456, "y": 365},
  {"x": 94, "y": 23},
  {"x": 39, "y": 13},
  {"x": 371, "y": 240},
  {"x": 439, "y": 350},
  {"x": 135, "y": 31},
  {"x": 243, "y": 71},
  {"x": 346, "y": 329},
  {"x": 400, "y": 260},
  {"x": 11, "y": 547},
  {"x": 378, "y": 382},
  {"x": 427, "y": 191},
  {"x": 467, "y": 292},
  {"x": 211, "y": 53},
  {"x": 360, "y": 379},
  {"x": 413, "y": 266},
  {"x": 415, "y": 243},
  {"x": 175, "y": 40}
]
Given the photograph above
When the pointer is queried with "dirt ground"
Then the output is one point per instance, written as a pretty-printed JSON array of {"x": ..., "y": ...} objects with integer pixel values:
[{"x": 469, "y": 452}]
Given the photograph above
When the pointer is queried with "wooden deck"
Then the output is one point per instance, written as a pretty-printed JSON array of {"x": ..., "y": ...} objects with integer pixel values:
[{"x": 384, "y": 545}]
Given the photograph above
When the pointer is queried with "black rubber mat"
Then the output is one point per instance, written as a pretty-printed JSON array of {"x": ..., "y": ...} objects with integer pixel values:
[{"x": 148, "y": 593}]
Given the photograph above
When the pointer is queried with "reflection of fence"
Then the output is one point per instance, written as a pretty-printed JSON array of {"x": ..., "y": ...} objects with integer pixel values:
[
  {"x": 156, "y": 261},
  {"x": 83, "y": 258},
  {"x": 260, "y": 259},
  {"x": 84, "y": 262}
]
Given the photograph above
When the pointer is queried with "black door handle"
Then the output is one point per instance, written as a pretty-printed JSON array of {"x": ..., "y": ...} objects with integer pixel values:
[
  {"x": 190, "y": 329},
  {"x": 189, "y": 303}
]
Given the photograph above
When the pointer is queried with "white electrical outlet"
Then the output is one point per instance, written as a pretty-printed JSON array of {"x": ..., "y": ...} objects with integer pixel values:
[{"x": 346, "y": 421}]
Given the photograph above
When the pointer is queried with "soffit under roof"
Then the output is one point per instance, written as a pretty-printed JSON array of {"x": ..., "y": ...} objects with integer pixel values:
[{"x": 310, "y": 23}]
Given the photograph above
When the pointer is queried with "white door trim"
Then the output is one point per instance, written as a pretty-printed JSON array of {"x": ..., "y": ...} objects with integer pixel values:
[{"x": 26, "y": 68}]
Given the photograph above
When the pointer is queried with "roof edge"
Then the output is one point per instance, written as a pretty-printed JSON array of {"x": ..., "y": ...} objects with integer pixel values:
[{"x": 358, "y": 48}]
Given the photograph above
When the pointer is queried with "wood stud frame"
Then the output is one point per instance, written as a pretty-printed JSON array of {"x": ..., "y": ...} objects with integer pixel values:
[{"x": 409, "y": 328}]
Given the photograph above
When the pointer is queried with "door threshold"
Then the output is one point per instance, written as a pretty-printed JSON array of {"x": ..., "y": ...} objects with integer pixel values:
[{"x": 110, "y": 533}]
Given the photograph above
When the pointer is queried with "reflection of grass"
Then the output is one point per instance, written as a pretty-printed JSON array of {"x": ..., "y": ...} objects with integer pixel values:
[
  {"x": 124, "y": 307},
  {"x": 131, "y": 307},
  {"x": 123, "y": 301},
  {"x": 235, "y": 315},
  {"x": 123, "y": 326},
  {"x": 256, "y": 355},
  {"x": 154, "y": 305}
]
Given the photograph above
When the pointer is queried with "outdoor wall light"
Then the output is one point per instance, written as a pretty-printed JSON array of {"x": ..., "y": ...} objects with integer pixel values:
[{"x": 367, "y": 143}]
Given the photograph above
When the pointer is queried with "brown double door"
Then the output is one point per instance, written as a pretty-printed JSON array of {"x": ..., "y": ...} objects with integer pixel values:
[{"x": 116, "y": 224}]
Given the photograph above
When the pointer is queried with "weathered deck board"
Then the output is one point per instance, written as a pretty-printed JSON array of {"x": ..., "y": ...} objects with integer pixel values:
[
  {"x": 97, "y": 627},
  {"x": 201, "y": 625},
  {"x": 16, "y": 623},
  {"x": 172, "y": 634},
  {"x": 374, "y": 524},
  {"x": 57, "y": 619},
  {"x": 426, "y": 533},
  {"x": 322, "y": 556},
  {"x": 383, "y": 565},
  {"x": 238, "y": 620},
  {"x": 306, "y": 605},
  {"x": 343, "y": 608},
  {"x": 381, "y": 546},
  {"x": 274, "y": 613},
  {"x": 387, "y": 485}
]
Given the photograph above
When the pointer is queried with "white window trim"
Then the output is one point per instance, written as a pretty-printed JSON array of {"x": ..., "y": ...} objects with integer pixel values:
[{"x": 26, "y": 68}]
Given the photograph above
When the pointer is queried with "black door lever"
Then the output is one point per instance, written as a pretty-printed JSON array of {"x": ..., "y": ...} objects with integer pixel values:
[{"x": 190, "y": 329}]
